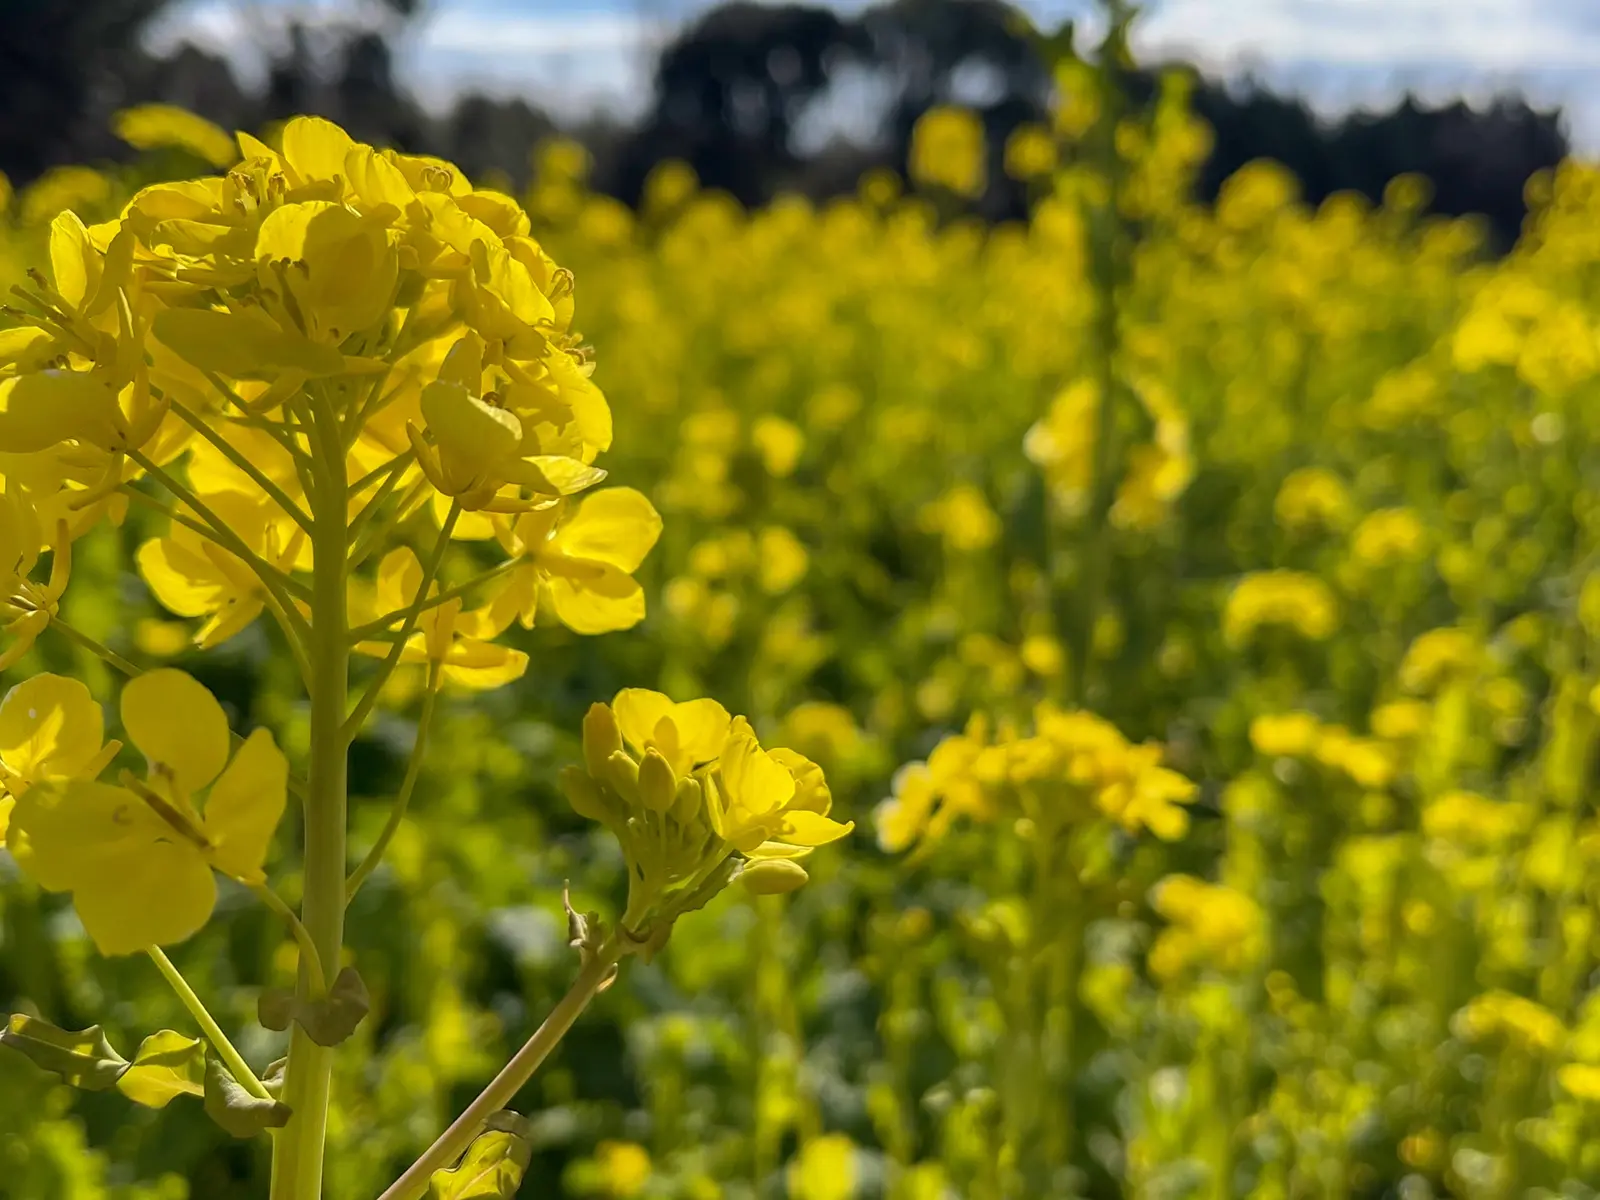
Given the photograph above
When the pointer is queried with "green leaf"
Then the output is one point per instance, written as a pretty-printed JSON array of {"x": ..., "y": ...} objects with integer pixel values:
[
  {"x": 84, "y": 1058},
  {"x": 328, "y": 1021},
  {"x": 493, "y": 1165},
  {"x": 167, "y": 1065},
  {"x": 236, "y": 1110}
]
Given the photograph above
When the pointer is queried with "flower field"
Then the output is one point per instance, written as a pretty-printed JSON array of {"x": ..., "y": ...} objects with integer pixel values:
[{"x": 1195, "y": 610}]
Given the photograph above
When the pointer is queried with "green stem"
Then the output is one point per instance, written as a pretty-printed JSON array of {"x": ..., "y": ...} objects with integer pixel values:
[
  {"x": 231, "y": 1058},
  {"x": 402, "y": 799},
  {"x": 453, "y": 1142},
  {"x": 297, "y": 1160},
  {"x": 302, "y": 936},
  {"x": 107, "y": 655},
  {"x": 232, "y": 453}
]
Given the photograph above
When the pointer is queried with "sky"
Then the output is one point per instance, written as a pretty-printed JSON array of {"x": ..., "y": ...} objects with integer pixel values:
[{"x": 576, "y": 55}]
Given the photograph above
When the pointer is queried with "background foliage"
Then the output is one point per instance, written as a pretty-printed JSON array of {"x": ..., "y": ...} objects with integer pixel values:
[{"x": 1304, "y": 492}]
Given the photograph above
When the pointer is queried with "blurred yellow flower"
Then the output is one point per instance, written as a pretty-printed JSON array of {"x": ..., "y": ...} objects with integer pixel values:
[
  {"x": 149, "y": 126},
  {"x": 1292, "y": 599},
  {"x": 825, "y": 1169},
  {"x": 947, "y": 150}
]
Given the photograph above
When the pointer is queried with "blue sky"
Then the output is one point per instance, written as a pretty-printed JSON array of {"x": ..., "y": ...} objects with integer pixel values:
[{"x": 571, "y": 55}]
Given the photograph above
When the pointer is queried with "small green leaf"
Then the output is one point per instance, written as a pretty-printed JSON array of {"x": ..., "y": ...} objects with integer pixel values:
[
  {"x": 328, "y": 1021},
  {"x": 83, "y": 1058},
  {"x": 167, "y": 1065},
  {"x": 493, "y": 1165},
  {"x": 236, "y": 1110}
]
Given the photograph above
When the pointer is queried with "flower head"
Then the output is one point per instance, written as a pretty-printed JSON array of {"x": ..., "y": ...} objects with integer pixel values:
[{"x": 138, "y": 856}]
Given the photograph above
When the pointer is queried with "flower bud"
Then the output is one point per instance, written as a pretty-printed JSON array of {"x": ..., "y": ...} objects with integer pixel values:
[
  {"x": 772, "y": 876},
  {"x": 622, "y": 773},
  {"x": 601, "y": 738},
  {"x": 585, "y": 796},
  {"x": 657, "y": 786},
  {"x": 686, "y": 805}
]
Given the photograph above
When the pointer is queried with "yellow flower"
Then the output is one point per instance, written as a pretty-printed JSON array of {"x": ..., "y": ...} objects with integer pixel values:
[
  {"x": 147, "y": 126},
  {"x": 1286, "y": 734},
  {"x": 138, "y": 858},
  {"x": 1030, "y": 152},
  {"x": 780, "y": 444},
  {"x": 1312, "y": 497},
  {"x": 962, "y": 516},
  {"x": 460, "y": 647},
  {"x": 194, "y": 577},
  {"x": 478, "y": 449},
  {"x": 579, "y": 563},
  {"x": 1299, "y": 601},
  {"x": 1581, "y": 1080},
  {"x": 947, "y": 150},
  {"x": 689, "y": 734},
  {"x": 825, "y": 1169},
  {"x": 624, "y": 1168},
  {"x": 769, "y": 804},
  {"x": 1524, "y": 1021},
  {"x": 783, "y": 560},
  {"x": 1211, "y": 924},
  {"x": 1389, "y": 536},
  {"x": 50, "y": 729}
]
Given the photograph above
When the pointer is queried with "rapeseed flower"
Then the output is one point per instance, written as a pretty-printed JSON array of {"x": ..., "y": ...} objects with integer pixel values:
[{"x": 137, "y": 857}]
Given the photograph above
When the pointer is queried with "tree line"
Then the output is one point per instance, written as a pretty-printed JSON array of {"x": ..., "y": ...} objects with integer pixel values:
[{"x": 742, "y": 95}]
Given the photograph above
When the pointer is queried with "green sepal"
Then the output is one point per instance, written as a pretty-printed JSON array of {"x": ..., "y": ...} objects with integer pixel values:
[
  {"x": 493, "y": 1166},
  {"x": 83, "y": 1058},
  {"x": 236, "y": 1110},
  {"x": 328, "y": 1021},
  {"x": 167, "y": 1065}
]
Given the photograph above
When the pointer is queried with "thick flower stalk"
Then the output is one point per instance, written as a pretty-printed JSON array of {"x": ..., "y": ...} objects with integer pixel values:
[{"x": 341, "y": 377}]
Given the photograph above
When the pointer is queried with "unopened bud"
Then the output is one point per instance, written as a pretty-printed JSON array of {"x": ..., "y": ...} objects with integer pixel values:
[
  {"x": 585, "y": 796},
  {"x": 658, "y": 788},
  {"x": 686, "y": 805},
  {"x": 601, "y": 738},
  {"x": 622, "y": 773},
  {"x": 772, "y": 876}
]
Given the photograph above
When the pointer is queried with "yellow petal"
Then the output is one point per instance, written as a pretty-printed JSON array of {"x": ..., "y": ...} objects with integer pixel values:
[
  {"x": 178, "y": 725},
  {"x": 6, "y": 803},
  {"x": 480, "y": 666},
  {"x": 810, "y": 787},
  {"x": 804, "y": 828},
  {"x": 702, "y": 729},
  {"x": 315, "y": 149},
  {"x": 375, "y": 180},
  {"x": 399, "y": 576},
  {"x": 616, "y": 526},
  {"x": 73, "y": 260},
  {"x": 473, "y": 437},
  {"x": 185, "y": 582},
  {"x": 638, "y": 710},
  {"x": 245, "y": 806},
  {"x": 50, "y": 727},
  {"x": 64, "y": 833},
  {"x": 38, "y": 411},
  {"x": 755, "y": 782},
  {"x": 159, "y": 896},
  {"x": 603, "y": 602}
]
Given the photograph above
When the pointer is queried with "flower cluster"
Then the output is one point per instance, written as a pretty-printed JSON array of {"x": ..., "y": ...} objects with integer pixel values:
[
  {"x": 695, "y": 801},
  {"x": 1075, "y": 766},
  {"x": 326, "y": 333}
]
